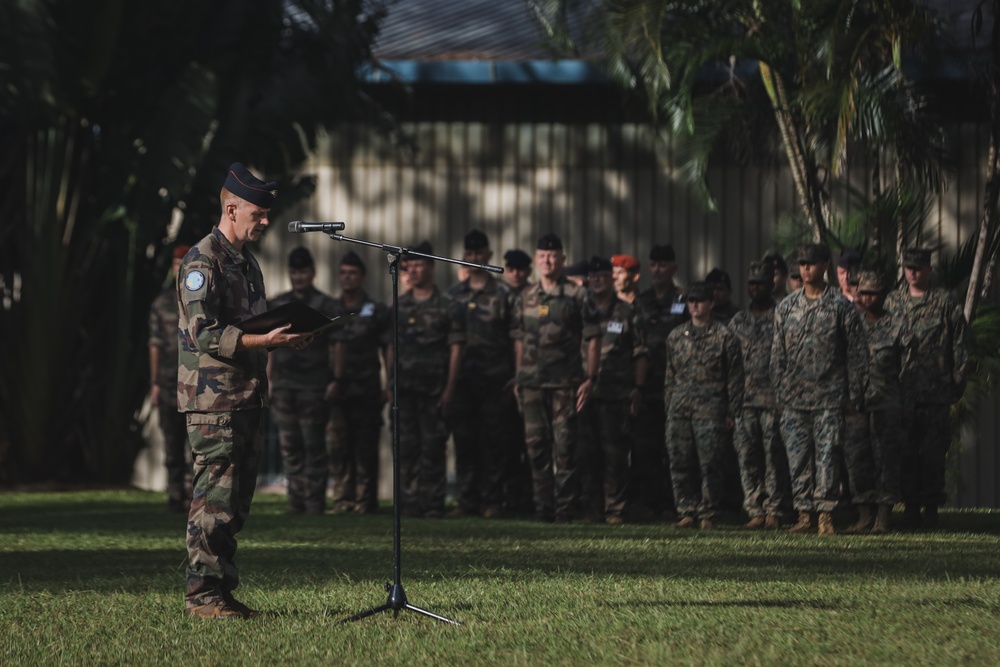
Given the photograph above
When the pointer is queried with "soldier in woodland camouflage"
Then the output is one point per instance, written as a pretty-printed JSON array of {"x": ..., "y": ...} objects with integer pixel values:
[
  {"x": 550, "y": 320},
  {"x": 818, "y": 365},
  {"x": 762, "y": 458},
  {"x": 934, "y": 370},
  {"x": 703, "y": 393},
  {"x": 222, "y": 388},
  {"x": 163, "y": 390},
  {"x": 301, "y": 384}
]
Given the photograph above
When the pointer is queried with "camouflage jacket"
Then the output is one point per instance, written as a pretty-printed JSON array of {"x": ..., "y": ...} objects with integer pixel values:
[
  {"x": 886, "y": 342},
  {"x": 621, "y": 343},
  {"x": 756, "y": 332},
  {"x": 488, "y": 351},
  {"x": 311, "y": 368},
  {"x": 819, "y": 358},
  {"x": 550, "y": 326},
  {"x": 656, "y": 319},
  {"x": 363, "y": 336},
  {"x": 163, "y": 318},
  {"x": 935, "y": 363},
  {"x": 217, "y": 288},
  {"x": 427, "y": 330},
  {"x": 704, "y": 378}
]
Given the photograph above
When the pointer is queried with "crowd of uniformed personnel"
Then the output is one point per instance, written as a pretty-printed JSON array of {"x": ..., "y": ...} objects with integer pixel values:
[{"x": 579, "y": 397}]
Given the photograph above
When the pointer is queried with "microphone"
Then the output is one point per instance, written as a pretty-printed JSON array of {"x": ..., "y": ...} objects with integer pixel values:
[{"x": 326, "y": 227}]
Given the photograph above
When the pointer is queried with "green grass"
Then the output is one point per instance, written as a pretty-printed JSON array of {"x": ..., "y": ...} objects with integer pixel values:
[{"x": 96, "y": 578}]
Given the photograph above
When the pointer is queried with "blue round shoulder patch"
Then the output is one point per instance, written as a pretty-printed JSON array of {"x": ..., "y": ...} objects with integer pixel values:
[{"x": 194, "y": 280}]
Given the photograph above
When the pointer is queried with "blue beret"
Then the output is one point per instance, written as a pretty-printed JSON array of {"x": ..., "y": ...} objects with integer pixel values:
[{"x": 246, "y": 186}]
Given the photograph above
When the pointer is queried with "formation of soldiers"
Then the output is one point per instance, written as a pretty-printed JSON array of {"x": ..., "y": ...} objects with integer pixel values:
[{"x": 579, "y": 397}]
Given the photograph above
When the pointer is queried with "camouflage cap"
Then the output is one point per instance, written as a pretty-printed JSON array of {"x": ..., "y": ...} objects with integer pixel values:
[
  {"x": 517, "y": 259},
  {"x": 760, "y": 272},
  {"x": 916, "y": 258},
  {"x": 700, "y": 291},
  {"x": 813, "y": 253},
  {"x": 476, "y": 240},
  {"x": 300, "y": 258},
  {"x": 869, "y": 282},
  {"x": 550, "y": 242},
  {"x": 662, "y": 253},
  {"x": 599, "y": 265}
]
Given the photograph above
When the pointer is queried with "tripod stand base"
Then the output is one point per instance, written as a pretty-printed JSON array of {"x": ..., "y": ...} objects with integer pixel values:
[{"x": 396, "y": 603}]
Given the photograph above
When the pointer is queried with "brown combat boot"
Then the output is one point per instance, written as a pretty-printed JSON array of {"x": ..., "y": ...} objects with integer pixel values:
[
  {"x": 804, "y": 524},
  {"x": 211, "y": 606},
  {"x": 686, "y": 522},
  {"x": 239, "y": 606},
  {"x": 755, "y": 523},
  {"x": 881, "y": 524},
  {"x": 866, "y": 519},
  {"x": 826, "y": 524},
  {"x": 772, "y": 522},
  {"x": 706, "y": 524}
]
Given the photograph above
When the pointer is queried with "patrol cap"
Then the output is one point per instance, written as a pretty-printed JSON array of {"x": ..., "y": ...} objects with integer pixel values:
[
  {"x": 916, "y": 258},
  {"x": 793, "y": 267},
  {"x": 700, "y": 291},
  {"x": 351, "y": 258},
  {"x": 180, "y": 251},
  {"x": 849, "y": 258},
  {"x": 580, "y": 268},
  {"x": 869, "y": 282},
  {"x": 476, "y": 240},
  {"x": 517, "y": 259},
  {"x": 424, "y": 247},
  {"x": 760, "y": 272},
  {"x": 246, "y": 186},
  {"x": 662, "y": 253},
  {"x": 717, "y": 275},
  {"x": 813, "y": 253},
  {"x": 599, "y": 265},
  {"x": 550, "y": 242},
  {"x": 627, "y": 262},
  {"x": 777, "y": 261},
  {"x": 300, "y": 258}
]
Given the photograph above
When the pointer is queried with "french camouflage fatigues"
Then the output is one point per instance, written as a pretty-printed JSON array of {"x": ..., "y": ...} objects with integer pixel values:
[
  {"x": 163, "y": 318},
  {"x": 762, "y": 458},
  {"x": 934, "y": 371},
  {"x": 605, "y": 429},
  {"x": 550, "y": 325},
  {"x": 356, "y": 415},
  {"x": 818, "y": 365},
  {"x": 650, "y": 484},
  {"x": 703, "y": 385},
  {"x": 482, "y": 401},
  {"x": 298, "y": 380},
  {"x": 427, "y": 330},
  {"x": 223, "y": 393}
]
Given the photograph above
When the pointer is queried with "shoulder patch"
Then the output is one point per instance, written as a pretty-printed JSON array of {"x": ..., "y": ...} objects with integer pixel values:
[{"x": 194, "y": 281}]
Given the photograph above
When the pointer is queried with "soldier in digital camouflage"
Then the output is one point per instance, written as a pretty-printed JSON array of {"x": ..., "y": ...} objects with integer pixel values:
[
  {"x": 763, "y": 462},
  {"x": 723, "y": 308},
  {"x": 431, "y": 337},
  {"x": 818, "y": 365},
  {"x": 934, "y": 370},
  {"x": 702, "y": 393},
  {"x": 550, "y": 319},
  {"x": 301, "y": 385},
  {"x": 357, "y": 398},
  {"x": 222, "y": 388},
  {"x": 482, "y": 399}
]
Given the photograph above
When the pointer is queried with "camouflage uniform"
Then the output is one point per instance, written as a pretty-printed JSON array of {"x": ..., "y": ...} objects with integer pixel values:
[
  {"x": 884, "y": 402},
  {"x": 163, "y": 317},
  {"x": 818, "y": 361},
  {"x": 427, "y": 330},
  {"x": 762, "y": 458},
  {"x": 703, "y": 385},
  {"x": 551, "y": 325},
  {"x": 656, "y": 318},
  {"x": 482, "y": 396},
  {"x": 356, "y": 415},
  {"x": 223, "y": 393},
  {"x": 934, "y": 370},
  {"x": 298, "y": 381}
]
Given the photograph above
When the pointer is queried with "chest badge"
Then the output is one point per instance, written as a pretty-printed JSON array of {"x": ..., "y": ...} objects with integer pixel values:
[
  {"x": 472, "y": 305},
  {"x": 616, "y": 327},
  {"x": 195, "y": 280},
  {"x": 543, "y": 311}
]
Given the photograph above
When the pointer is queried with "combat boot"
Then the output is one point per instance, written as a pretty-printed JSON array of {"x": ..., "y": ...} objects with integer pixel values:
[
  {"x": 706, "y": 524},
  {"x": 685, "y": 522},
  {"x": 755, "y": 523},
  {"x": 882, "y": 519},
  {"x": 826, "y": 524},
  {"x": 233, "y": 603},
  {"x": 866, "y": 519},
  {"x": 804, "y": 524},
  {"x": 772, "y": 522}
]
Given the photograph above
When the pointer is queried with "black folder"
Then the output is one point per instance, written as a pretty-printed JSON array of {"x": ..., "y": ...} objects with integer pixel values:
[{"x": 303, "y": 318}]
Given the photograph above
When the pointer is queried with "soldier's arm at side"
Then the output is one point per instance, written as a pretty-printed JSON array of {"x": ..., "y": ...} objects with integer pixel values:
[
  {"x": 154, "y": 365},
  {"x": 735, "y": 378},
  {"x": 593, "y": 365},
  {"x": 454, "y": 364}
]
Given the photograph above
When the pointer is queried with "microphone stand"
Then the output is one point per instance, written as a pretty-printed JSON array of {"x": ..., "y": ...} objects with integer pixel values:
[{"x": 397, "y": 596}]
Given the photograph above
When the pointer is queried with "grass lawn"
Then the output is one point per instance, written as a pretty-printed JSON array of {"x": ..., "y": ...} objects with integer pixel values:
[{"x": 96, "y": 578}]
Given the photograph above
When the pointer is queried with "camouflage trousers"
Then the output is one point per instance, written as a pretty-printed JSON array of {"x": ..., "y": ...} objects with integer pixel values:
[
  {"x": 813, "y": 439},
  {"x": 301, "y": 416},
  {"x": 859, "y": 461},
  {"x": 924, "y": 455},
  {"x": 176, "y": 453},
  {"x": 767, "y": 488},
  {"x": 650, "y": 473},
  {"x": 226, "y": 447},
  {"x": 602, "y": 458},
  {"x": 696, "y": 448},
  {"x": 550, "y": 437},
  {"x": 423, "y": 436},
  {"x": 352, "y": 437},
  {"x": 480, "y": 430},
  {"x": 885, "y": 428}
]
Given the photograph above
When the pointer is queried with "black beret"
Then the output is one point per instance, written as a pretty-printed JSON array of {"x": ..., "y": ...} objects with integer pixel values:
[
  {"x": 700, "y": 292},
  {"x": 599, "y": 265},
  {"x": 300, "y": 258},
  {"x": 662, "y": 253},
  {"x": 246, "y": 186},
  {"x": 580, "y": 268},
  {"x": 849, "y": 258},
  {"x": 916, "y": 258},
  {"x": 517, "y": 259},
  {"x": 352, "y": 259},
  {"x": 550, "y": 242},
  {"x": 476, "y": 240},
  {"x": 777, "y": 261},
  {"x": 717, "y": 275},
  {"x": 424, "y": 247}
]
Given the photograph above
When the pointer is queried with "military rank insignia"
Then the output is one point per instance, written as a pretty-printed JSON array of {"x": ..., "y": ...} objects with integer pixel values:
[{"x": 543, "y": 311}]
